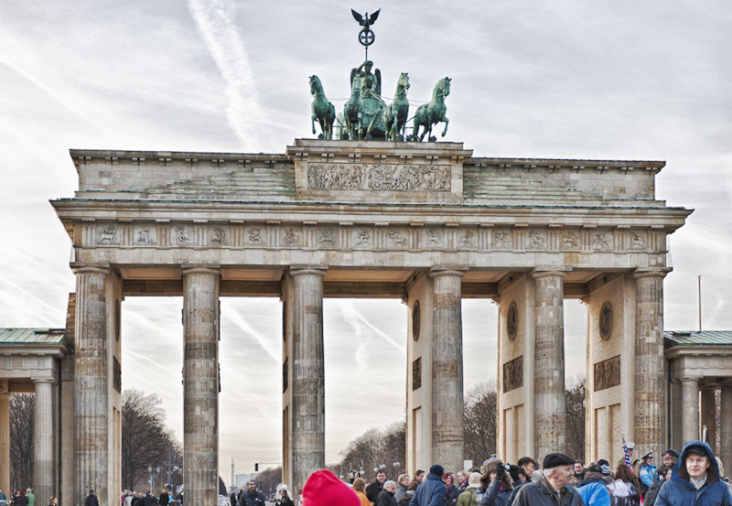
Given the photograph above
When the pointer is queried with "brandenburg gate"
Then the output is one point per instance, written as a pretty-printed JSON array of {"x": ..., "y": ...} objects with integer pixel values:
[{"x": 428, "y": 223}]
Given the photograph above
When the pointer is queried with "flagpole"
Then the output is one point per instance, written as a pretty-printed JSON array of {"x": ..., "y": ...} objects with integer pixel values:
[{"x": 700, "y": 305}]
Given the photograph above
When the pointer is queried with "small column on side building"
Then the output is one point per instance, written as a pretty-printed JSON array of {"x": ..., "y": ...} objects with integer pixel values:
[
  {"x": 725, "y": 419},
  {"x": 91, "y": 398},
  {"x": 650, "y": 375},
  {"x": 447, "y": 370},
  {"x": 200, "y": 385},
  {"x": 4, "y": 437},
  {"x": 708, "y": 413},
  {"x": 43, "y": 465},
  {"x": 308, "y": 375},
  {"x": 550, "y": 407},
  {"x": 690, "y": 409}
]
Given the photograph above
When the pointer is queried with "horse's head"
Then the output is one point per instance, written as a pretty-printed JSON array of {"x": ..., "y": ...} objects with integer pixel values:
[
  {"x": 444, "y": 85},
  {"x": 404, "y": 80},
  {"x": 315, "y": 85}
]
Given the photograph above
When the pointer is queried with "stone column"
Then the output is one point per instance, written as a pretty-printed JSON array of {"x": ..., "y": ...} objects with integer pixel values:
[
  {"x": 5, "y": 442},
  {"x": 200, "y": 385},
  {"x": 649, "y": 425},
  {"x": 690, "y": 409},
  {"x": 91, "y": 400},
  {"x": 308, "y": 375},
  {"x": 447, "y": 369},
  {"x": 725, "y": 417},
  {"x": 43, "y": 465},
  {"x": 550, "y": 407},
  {"x": 709, "y": 416}
]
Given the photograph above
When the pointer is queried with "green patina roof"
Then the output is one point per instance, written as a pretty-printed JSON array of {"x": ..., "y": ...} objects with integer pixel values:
[
  {"x": 694, "y": 337},
  {"x": 32, "y": 336}
]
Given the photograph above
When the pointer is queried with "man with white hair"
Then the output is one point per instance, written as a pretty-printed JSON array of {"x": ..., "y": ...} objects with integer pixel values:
[
  {"x": 550, "y": 487},
  {"x": 386, "y": 496}
]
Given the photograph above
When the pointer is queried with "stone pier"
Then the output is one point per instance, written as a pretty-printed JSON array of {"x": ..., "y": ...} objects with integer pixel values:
[
  {"x": 650, "y": 369},
  {"x": 447, "y": 370},
  {"x": 43, "y": 463},
  {"x": 4, "y": 440},
  {"x": 308, "y": 375},
  {"x": 200, "y": 385},
  {"x": 550, "y": 407},
  {"x": 91, "y": 398},
  {"x": 725, "y": 451},
  {"x": 690, "y": 409}
]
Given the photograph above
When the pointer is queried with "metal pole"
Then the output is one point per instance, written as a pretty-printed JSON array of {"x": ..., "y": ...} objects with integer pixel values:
[{"x": 700, "y": 303}]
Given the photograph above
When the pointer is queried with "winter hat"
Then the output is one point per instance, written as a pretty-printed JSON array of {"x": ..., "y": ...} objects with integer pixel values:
[
  {"x": 556, "y": 459},
  {"x": 437, "y": 469},
  {"x": 474, "y": 480},
  {"x": 671, "y": 453},
  {"x": 324, "y": 489}
]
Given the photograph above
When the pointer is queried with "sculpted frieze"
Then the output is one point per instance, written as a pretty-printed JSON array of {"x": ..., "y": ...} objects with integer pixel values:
[
  {"x": 254, "y": 236},
  {"x": 503, "y": 239},
  {"x": 637, "y": 241},
  {"x": 434, "y": 238},
  {"x": 602, "y": 241},
  {"x": 145, "y": 236},
  {"x": 570, "y": 240},
  {"x": 108, "y": 235},
  {"x": 607, "y": 373},
  {"x": 379, "y": 177},
  {"x": 217, "y": 236},
  {"x": 513, "y": 374},
  {"x": 397, "y": 239},
  {"x": 537, "y": 239},
  {"x": 327, "y": 237},
  {"x": 182, "y": 236},
  {"x": 362, "y": 238},
  {"x": 291, "y": 237}
]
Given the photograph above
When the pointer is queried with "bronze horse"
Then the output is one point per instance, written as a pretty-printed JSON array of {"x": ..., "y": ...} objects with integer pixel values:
[
  {"x": 395, "y": 116},
  {"x": 322, "y": 110},
  {"x": 432, "y": 113}
]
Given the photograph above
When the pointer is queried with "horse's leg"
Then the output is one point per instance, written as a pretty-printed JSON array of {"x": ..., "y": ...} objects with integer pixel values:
[
  {"x": 312, "y": 120},
  {"x": 447, "y": 122}
]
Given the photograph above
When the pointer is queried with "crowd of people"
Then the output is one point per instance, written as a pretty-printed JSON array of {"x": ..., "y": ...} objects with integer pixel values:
[
  {"x": 134, "y": 498},
  {"x": 692, "y": 477},
  {"x": 23, "y": 498}
]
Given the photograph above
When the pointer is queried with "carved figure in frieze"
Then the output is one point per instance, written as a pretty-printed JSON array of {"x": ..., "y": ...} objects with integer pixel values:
[
  {"x": 291, "y": 238},
  {"x": 397, "y": 239},
  {"x": 434, "y": 236},
  {"x": 108, "y": 235},
  {"x": 501, "y": 239},
  {"x": 255, "y": 235},
  {"x": 569, "y": 240},
  {"x": 536, "y": 241},
  {"x": 637, "y": 241},
  {"x": 467, "y": 240},
  {"x": 182, "y": 236},
  {"x": 601, "y": 241},
  {"x": 218, "y": 236},
  {"x": 327, "y": 237},
  {"x": 363, "y": 239},
  {"x": 144, "y": 237}
]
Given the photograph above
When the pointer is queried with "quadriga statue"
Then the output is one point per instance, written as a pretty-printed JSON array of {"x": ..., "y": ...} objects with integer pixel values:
[
  {"x": 432, "y": 113},
  {"x": 322, "y": 110}
]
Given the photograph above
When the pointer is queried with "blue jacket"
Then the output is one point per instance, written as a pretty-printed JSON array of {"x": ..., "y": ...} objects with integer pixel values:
[
  {"x": 494, "y": 495},
  {"x": 648, "y": 475},
  {"x": 431, "y": 492},
  {"x": 594, "y": 492},
  {"x": 680, "y": 492}
]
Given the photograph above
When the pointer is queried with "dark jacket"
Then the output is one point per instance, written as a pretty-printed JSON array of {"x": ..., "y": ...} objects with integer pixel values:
[
  {"x": 677, "y": 491},
  {"x": 386, "y": 498},
  {"x": 400, "y": 491},
  {"x": 91, "y": 500},
  {"x": 406, "y": 498},
  {"x": 373, "y": 490},
  {"x": 251, "y": 499},
  {"x": 149, "y": 500},
  {"x": 451, "y": 495},
  {"x": 164, "y": 498},
  {"x": 540, "y": 493},
  {"x": 431, "y": 492},
  {"x": 494, "y": 495}
]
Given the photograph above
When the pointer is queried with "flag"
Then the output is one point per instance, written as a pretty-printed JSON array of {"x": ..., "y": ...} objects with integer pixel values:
[{"x": 626, "y": 455}]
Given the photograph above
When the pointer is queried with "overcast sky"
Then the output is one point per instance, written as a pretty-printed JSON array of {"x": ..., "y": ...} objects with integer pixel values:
[{"x": 607, "y": 79}]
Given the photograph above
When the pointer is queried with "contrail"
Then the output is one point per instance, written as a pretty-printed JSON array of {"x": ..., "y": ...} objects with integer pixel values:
[
  {"x": 237, "y": 320},
  {"x": 354, "y": 317},
  {"x": 214, "y": 21}
]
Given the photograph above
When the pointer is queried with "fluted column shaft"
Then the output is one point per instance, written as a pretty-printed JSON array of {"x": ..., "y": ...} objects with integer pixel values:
[
  {"x": 43, "y": 468},
  {"x": 5, "y": 442},
  {"x": 91, "y": 400},
  {"x": 308, "y": 375},
  {"x": 200, "y": 385},
  {"x": 725, "y": 419},
  {"x": 690, "y": 409},
  {"x": 549, "y": 394},
  {"x": 650, "y": 384},
  {"x": 447, "y": 369}
]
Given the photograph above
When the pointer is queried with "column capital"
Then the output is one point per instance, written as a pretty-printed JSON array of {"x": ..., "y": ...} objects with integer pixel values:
[
  {"x": 436, "y": 272},
  {"x": 555, "y": 271},
  {"x": 299, "y": 270},
  {"x": 43, "y": 380},
  {"x": 651, "y": 272},
  {"x": 200, "y": 270},
  {"x": 91, "y": 269}
]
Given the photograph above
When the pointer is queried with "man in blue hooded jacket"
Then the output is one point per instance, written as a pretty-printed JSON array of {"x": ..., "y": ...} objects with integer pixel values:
[
  {"x": 695, "y": 479},
  {"x": 431, "y": 492}
]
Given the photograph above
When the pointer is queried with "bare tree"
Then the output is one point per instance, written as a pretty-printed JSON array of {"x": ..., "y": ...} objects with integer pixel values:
[
  {"x": 145, "y": 439},
  {"x": 575, "y": 432},
  {"x": 22, "y": 417},
  {"x": 268, "y": 480},
  {"x": 480, "y": 422}
]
